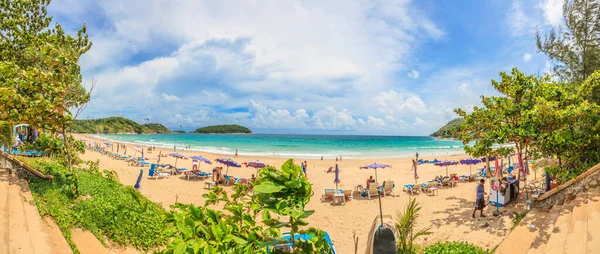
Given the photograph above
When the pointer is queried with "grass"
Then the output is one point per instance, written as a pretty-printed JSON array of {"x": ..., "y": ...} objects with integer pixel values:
[{"x": 85, "y": 198}]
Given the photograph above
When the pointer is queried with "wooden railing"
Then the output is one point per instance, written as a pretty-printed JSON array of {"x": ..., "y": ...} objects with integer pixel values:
[{"x": 19, "y": 165}]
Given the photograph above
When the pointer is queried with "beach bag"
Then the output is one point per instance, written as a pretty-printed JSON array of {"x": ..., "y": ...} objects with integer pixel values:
[{"x": 384, "y": 241}]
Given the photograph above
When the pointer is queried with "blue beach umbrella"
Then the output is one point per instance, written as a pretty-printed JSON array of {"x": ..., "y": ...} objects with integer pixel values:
[
  {"x": 376, "y": 166},
  {"x": 200, "y": 159},
  {"x": 337, "y": 177},
  {"x": 470, "y": 162},
  {"x": 177, "y": 156},
  {"x": 139, "y": 180},
  {"x": 229, "y": 163}
]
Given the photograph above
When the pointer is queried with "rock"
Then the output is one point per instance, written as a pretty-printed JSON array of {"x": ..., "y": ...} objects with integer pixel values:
[{"x": 593, "y": 184}]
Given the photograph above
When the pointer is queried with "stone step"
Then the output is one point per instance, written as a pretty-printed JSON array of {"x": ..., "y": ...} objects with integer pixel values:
[
  {"x": 19, "y": 240},
  {"x": 46, "y": 236},
  {"x": 577, "y": 235},
  {"x": 558, "y": 237},
  {"x": 593, "y": 232},
  {"x": 545, "y": 230},
  {"x": 523, "y": 236},
  {"x": 4, "y": 211}
]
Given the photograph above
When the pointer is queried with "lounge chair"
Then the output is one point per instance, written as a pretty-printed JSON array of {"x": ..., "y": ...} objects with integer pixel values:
[
  {"x": 388, "y": 187},
  {"x": 410, "y": 188},
  {"x": 373, "y": 190},
  {"x": 430, "y": 187},
  {"x": 327, "y": 194},
  {"x": 449, "y": 181},
  {"x": 347, "y": 194},
  {"x": 155, "y": 174}
]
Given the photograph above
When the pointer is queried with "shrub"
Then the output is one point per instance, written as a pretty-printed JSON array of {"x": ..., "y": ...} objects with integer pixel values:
[
  {"x": 454, "y": 248},
  {"x": 84, "y": 198}
]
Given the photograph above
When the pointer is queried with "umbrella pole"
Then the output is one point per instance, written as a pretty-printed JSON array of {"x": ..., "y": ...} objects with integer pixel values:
[
  {"x": 176, "y": 158},
  {"x": 380, "y": 209},
  {"x": 447, "y": 171},
  {"x": 376, "y": 176}
]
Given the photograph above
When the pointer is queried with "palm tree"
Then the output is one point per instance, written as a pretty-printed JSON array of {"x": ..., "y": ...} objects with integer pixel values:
[{"x": 405, "y": 224}]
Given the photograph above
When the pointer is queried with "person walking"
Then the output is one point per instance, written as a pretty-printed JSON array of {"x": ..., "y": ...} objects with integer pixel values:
[{"x": 480, "y": 198}]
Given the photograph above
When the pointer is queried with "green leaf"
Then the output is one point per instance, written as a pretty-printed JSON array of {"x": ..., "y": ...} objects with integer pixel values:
[{"x": 268, "y": 187}]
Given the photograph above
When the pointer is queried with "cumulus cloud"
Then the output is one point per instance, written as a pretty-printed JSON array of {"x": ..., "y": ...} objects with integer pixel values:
[
  {"x": 413, "y": 74},
  {"x": 526, "y": 57},
  {"x": 552, "y": 10},
  {"x": 169, "y": 98}
]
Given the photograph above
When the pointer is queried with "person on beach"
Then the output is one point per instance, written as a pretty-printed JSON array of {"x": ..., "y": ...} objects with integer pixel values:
[
  {"x": 369, "y": 181},
  {"x": 194, "y": 165},
  {"x": 480, "y": 198},
  {"x": 321, "y": 158},
  {"x": 236, "y": 155}
]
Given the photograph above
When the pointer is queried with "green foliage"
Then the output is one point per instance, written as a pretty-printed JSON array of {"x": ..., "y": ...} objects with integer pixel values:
[
  {"x": 84, "y": 198},
  {"x": 116, "y": 124},
  {"x": 406, "y": 224},
  {"x": 519, "y": 217},
  {"x": 227, "y": 128},
  {"x": 454, "y": 248},
  {"x": 450, "y": 130},
  {"x": 6, "y": 132},
  {"x": 55, "y": 147},
  {"x": 574, "y": 47}
]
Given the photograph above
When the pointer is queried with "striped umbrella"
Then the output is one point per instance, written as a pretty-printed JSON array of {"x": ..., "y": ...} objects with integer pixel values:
[{"x": 229, "y": 163}]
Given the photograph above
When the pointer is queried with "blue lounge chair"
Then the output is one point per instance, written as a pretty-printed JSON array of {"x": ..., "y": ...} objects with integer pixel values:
[
  {"x": 152, "y": 173},
  {"x": 409, "y": 188},
  {"x": 289, "y": 247}
]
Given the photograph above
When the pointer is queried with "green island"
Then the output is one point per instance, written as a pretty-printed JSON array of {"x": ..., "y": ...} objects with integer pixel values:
[
  {"x": 450, "y": 130},
  {"x": 116, "y": 125},
  {"x": 223, "y": 129}
]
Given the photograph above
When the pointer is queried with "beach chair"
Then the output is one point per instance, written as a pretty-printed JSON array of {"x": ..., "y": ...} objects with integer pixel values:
[
  {"x": 449, "y": 182},
  {"x": 373, "y": 190},
  {"x": 327, "y": 194},
  {"x": 155, "y": 174},
  {"x": 410, "y": 188},
  {"x": 347, "y": 194},
  {"x": 388, "y": 187},
  {"x": 430, "y": 187}
]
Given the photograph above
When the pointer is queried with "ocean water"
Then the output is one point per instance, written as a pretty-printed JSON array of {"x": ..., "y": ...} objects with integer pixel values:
[{"x": 306, "y": 146}]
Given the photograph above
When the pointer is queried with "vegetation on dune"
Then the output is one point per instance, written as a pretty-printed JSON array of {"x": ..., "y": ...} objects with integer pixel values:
[
  {"x": 116, "y": 124},
  {"x": 223, "y": 129},
  {"x": 86, "y": 198},
  {"x": 450, "y": 130}
]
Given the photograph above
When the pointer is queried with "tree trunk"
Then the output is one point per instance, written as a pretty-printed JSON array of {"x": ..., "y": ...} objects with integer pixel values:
[
  {"x": 487, "y": 165},
  {"x": 67, "y": 147}
]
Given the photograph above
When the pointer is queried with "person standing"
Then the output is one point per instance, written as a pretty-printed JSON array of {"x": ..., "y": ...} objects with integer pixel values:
[
  {"x": 194, "y": 165},
  {"x": 305, "y": 169},
  {"x": 236, "y": 153},
  {"x": 480, "y": 198}
]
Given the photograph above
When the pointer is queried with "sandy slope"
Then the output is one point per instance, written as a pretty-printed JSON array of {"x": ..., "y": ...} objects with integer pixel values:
[{"x": 447, "y": 214}]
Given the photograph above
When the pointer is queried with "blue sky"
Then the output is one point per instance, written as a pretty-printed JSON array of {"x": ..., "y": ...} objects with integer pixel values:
[{"x": 344, "y": 67}]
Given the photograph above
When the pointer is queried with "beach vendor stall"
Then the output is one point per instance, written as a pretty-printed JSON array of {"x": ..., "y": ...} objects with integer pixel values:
[{"x": 504, "y": 191}]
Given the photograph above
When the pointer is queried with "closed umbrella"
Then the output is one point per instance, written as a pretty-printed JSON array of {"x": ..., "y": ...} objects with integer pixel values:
[
  {"x": 376, "y": 166},
  {"x": 139, "y": 180},
  {"x": 337, "y": 177},
  {"x": 159, "y": 154}
]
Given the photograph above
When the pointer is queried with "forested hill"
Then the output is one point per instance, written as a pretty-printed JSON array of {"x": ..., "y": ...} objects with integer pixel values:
[
  {"x": 450, "y": 130},
  {"x": 221, "y": 129},
  {"x": 116, "y": 124}
]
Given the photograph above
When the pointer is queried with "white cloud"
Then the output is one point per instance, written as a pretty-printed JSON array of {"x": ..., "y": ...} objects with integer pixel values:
[
  {"x": 413, "y": 74},
  {"x": 552, "y": 10},
  {"x": 526, "y": 57},
  {"x": 169, "y": 98}
]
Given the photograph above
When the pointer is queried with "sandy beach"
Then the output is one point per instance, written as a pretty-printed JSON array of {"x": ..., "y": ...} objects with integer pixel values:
[{"x": 447, "y": 214}]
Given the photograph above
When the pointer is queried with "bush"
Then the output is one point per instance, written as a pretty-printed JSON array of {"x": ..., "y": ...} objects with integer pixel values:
[
  {"x": 85, "y": 198},
  {"x": 454, "y": 248}
]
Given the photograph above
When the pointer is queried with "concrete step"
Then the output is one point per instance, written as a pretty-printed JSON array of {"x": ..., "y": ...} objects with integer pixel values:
[
  {"x": 545, "y": 230},
  {"x": 19, "y": 240},
  {"x": 523, "y": 236},
  {"x": 557, "y": 240},
  {"x": 4, "y": 211},
  {"x": 577, "y": 235},
  {"x": 593, "y": 232},
  {"x": 46, "y": 235}
]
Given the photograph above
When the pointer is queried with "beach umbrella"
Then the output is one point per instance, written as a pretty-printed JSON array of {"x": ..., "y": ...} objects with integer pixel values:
[
  {"x": 177, "y": 156},
  {"x": 376, "y": 166},
  {"x": 139, "y": 180},
  {"x": 200, "y": 159},
  {"x": 142, "y": 153},
  {"x": 229, "y": 163},
  {"x": 259, "y": 164},
  {"x": 446, "y": 163},
  {"x": 337, "y": 177},
  {"x": 470, "y": 162}
]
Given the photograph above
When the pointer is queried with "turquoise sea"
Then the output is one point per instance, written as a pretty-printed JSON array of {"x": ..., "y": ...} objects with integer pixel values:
[{"x": 308, "y": 146}]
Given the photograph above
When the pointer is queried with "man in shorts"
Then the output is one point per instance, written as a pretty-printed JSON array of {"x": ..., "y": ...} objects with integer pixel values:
[{"x": 480, "y": 200}]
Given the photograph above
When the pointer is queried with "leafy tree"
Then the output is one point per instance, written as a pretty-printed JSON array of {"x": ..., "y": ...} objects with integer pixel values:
[
  {"x": 6, "y": 131},
  {"x": 575, "y": 47},
  {"x": 40, "y": 79},
  {"x": 503, "y": 119},
  {"x": 405, "y": 225}
]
